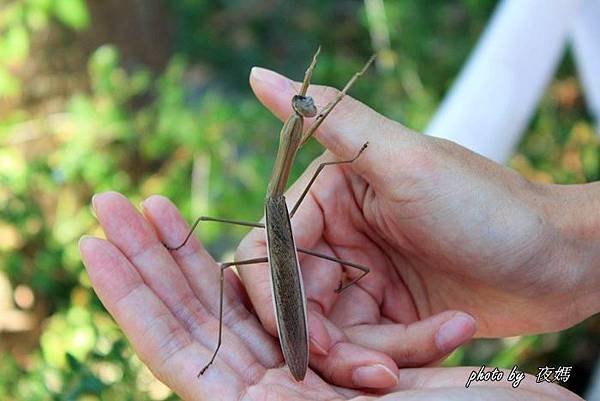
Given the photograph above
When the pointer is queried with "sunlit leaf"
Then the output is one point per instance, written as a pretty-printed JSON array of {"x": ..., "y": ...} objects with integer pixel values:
[
  {"x": 73, "y": 13},
  {"x": 14, "y": 45}
]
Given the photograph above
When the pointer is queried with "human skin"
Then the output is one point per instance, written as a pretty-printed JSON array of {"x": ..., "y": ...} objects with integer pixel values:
[
  {"x": 165, "y": 303},
  {"x": 427, "y": 216},
  {"x": 441, "y": 227}
]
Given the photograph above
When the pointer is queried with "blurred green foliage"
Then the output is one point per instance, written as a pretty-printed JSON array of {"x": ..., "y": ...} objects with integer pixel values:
[
  {"x": 21, "y": 19},
  {"x": 193, "y": 131}
]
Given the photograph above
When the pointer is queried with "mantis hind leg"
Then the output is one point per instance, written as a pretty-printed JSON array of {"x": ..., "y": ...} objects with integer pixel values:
[
  {"x": 216, "y": 219},
  {"x": 365, "y": 270},
  {"x": 222, "y": 268}
]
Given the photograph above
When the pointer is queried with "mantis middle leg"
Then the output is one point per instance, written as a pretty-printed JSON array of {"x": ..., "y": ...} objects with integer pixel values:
[{"x": 216, "y": 219}]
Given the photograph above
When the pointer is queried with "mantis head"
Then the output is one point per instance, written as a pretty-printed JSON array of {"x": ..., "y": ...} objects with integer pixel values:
[{"x": 304, "y": 105}]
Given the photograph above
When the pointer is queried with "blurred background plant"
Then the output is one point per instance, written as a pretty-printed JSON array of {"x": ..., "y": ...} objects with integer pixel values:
[{"x": 152, "y": 97}]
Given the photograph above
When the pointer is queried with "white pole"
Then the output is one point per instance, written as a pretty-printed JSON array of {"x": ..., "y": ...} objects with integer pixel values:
[
  {"x": 586, "y": 48},
  {"x": 497, "y": 92}
]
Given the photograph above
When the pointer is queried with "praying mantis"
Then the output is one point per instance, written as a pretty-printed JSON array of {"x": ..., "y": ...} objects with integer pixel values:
[{"x": 287, "y": 288}]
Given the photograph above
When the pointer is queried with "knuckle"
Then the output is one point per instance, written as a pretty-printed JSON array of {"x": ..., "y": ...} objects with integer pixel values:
[{"x": 407, "y": 356}]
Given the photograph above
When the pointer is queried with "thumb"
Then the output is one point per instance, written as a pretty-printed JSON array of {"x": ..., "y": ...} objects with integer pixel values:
[{"x": 349, "y": 126}]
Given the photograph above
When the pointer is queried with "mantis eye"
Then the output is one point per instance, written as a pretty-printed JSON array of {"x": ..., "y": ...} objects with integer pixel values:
[{"x": 304, "y": 105}]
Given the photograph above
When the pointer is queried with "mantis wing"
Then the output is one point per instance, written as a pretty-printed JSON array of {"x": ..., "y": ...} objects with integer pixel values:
[{"x": 287, "y": 288}]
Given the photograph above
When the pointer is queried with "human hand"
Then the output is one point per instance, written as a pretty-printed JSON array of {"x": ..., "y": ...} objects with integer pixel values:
[
  {"x": 166, "y": 304},
  {"x": 441, "y": 228}
]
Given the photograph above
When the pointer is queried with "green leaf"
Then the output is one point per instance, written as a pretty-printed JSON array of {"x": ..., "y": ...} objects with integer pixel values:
[
  {"x": 73, "y": 13},
  {"x": 14, "y": 46},
  {"x": 9, "y": 85}
]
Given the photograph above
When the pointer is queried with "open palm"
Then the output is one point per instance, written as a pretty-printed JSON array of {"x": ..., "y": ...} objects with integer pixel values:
[{"x": 167, "y": 306}]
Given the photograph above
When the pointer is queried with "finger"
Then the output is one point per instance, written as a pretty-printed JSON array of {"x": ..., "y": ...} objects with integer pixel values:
[
  {"x": 171, "y": 228},
  {"x": 347, "y": 128},
  {"x": 418, "y": 343},
  {"x": 155, "y": 334},
  {"x": 350, "y": 365},
  {"x": 344, "y": 131},
  {"x": 134, "y": 236},
  {"x": 256, "y": 278},
  {"x": 431, "y": 378}
]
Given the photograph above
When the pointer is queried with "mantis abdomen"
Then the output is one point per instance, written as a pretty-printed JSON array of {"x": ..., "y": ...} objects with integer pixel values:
[{"x": 287, "y": 288}]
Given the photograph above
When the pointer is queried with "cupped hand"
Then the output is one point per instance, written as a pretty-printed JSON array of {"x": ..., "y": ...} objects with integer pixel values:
[
  {"x": 166, "y": 304},
  {"x": 442, "y": 229}
]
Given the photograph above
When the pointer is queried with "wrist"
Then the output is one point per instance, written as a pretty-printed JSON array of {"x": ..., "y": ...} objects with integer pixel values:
[{"x": 574, "y": 211}]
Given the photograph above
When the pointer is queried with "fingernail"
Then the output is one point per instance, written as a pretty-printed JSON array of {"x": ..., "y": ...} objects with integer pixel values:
[
  {"x": 83, "y": 239},
  {"x": 454, "y": 332},
  {"x": 374, "y": 376},
  {"x": 271, "y": 78},
  {"x": 94, "y": 205}
]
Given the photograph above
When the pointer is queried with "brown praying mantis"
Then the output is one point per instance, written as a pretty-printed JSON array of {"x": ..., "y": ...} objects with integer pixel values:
[{"x": 286, "y": 280}]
